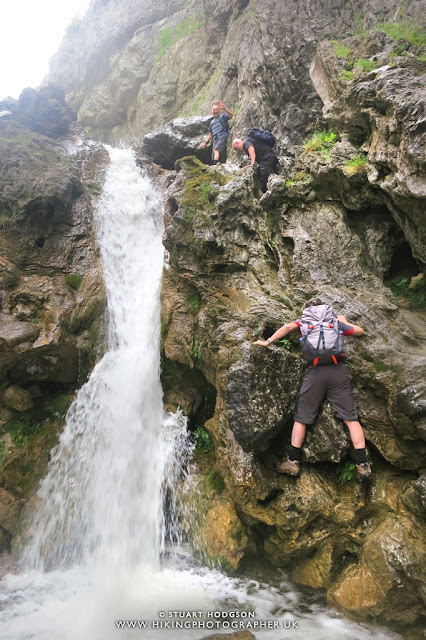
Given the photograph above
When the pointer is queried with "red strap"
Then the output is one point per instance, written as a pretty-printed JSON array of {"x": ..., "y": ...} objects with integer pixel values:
[
  {"x": 315, "y": 362},
  {"x": 334, "y": 360}
]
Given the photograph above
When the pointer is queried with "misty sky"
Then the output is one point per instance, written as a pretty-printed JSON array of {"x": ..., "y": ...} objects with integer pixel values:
[{"x": 30, "y": 34}]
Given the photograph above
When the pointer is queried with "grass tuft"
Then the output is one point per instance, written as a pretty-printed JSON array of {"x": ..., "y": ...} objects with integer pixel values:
[
  {"x": 355, "y": 165},
  {"x": 320, "y": 141},
  {"x": 340, "y": 49}
]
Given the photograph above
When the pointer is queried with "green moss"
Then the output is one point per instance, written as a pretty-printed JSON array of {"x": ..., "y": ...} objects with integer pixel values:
[
  {"x": 422, "y": 58},
  {"x": 196, "y": 353},
  {"x": 203, "y": 440},
  {"x": 195, "y": 304},
  {"x": 380, "y": 366},
  {"x": 214, "y": 482},
  {"x": 20, "y": 429},
  {"x": 22, "y": 141},
  {"x": 74, "y": 281},
  {"x": 198, "y": 192},
  {"x": 168, "y": 374},
  {"x": 170, "y": 35},
  {"x": 5, "y": 215},
  {"x": 95, "y": 187},
  {"x": 340, "y": 49},
  {"x": 58, "y": 407},
  {"x": 27, "y": 463},
  {"x": 165, "y": 324},
  {"x": 223, "y": 563},
  {"x": 412, "y": 291}
]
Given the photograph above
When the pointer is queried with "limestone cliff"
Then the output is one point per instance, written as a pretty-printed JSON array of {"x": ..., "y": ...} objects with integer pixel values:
[{"x": 128, "y": 67}]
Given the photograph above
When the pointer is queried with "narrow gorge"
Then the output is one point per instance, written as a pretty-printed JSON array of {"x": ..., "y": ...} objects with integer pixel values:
[{"x": 342, "y": 87}]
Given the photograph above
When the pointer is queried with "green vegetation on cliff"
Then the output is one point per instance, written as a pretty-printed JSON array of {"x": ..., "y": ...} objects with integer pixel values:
[
  {"x": 321, "y": 142},
  {"x": 404, "y": 30},
  {"x": 170, "y": 35}
]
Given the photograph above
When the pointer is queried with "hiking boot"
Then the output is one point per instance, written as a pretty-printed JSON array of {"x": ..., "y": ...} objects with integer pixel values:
[
  {"x": 363, "y": 471},
  {"x": 290, "y": 467}
]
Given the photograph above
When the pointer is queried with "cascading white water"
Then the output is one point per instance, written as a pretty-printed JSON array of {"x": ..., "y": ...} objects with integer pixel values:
[
  {"x": 102, "y": 495},
  {"x": 94, "y": 553}
]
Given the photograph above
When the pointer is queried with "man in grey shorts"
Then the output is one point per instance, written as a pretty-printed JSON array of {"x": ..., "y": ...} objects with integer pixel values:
[{"x": 330, "y": 381}]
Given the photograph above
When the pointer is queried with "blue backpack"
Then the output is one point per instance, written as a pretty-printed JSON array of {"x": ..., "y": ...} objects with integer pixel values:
[{"x": 262, "y": 135}]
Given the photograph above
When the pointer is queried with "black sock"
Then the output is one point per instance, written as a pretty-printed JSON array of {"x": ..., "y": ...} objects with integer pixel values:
[
  {"x": 295, "y": 453},
  {"x": 361, "y": 455}
]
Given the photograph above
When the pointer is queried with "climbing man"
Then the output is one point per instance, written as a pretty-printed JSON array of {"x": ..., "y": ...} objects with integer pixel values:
[
  {"x": 259, "y": 152},
  {"x": 219, "y": 132},
  {"x": 321, "y": 338}
]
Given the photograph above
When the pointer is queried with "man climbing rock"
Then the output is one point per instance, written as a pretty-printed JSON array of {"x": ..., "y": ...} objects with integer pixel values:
[
  {"x": 321, "y": 338},
  {"x": 259, "y": 152},
  {"x": 219, "y": 132}
]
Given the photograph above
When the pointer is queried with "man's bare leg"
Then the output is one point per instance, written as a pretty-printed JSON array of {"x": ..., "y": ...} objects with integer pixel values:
[
  {"x": 356, "y": 433},
  {"x": 358, "y": 440},
  {"x": 298, "y": 434}
]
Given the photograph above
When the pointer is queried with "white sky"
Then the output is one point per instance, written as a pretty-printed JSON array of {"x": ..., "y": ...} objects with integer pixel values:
[{"x": 30, "y": 34}]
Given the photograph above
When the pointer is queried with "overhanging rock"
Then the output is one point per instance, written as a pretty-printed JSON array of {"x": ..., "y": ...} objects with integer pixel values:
[{"x": 176, "y": 139}]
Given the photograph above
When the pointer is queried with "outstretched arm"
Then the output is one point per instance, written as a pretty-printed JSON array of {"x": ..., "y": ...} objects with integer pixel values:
[
  {"x": 227, "y": 111},
  {"x": 358, "y": 331},
  {"x": 252, "y": 154},
  {"x": 280, "y": 333},
  {"x": 206, "y": 141}
]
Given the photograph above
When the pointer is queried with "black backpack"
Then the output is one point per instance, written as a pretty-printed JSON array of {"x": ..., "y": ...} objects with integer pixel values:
[{"x": 262, "y": 135}]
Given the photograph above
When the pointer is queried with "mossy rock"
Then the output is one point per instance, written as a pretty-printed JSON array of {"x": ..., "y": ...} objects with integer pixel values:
[
  {"x": 28, "y": 463},
  {"x": 202, "y": 184}
]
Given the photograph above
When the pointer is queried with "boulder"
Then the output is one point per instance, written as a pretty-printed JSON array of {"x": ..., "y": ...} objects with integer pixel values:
[
  {"x": 223, "y": 535},
  {"x": 260, "y": 394},
  {"x": 17, "y": 398},
  {"x": 178, "y": 138},
  {"x": 386, "y": 584}
]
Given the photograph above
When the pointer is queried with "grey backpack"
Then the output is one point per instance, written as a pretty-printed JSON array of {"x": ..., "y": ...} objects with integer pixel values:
[{"x": 321, "y": 340}]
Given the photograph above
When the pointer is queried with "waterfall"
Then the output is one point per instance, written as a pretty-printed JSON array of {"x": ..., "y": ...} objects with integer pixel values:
[
  {"x": 93, "y": 560},
  {"x": 101, "y": 499}
]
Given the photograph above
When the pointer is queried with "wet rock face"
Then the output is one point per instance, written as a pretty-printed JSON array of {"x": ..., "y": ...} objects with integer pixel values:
[
  {"x": 260, "y": 395},
  {"x": 239, "y": 267},
  {"x": 52, "y": 297}
]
